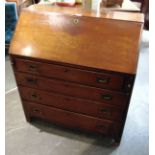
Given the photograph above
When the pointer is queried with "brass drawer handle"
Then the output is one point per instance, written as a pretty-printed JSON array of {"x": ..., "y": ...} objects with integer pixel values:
[
  {"x": 35, "y": 96},
  {"x": 36, "y": 111},
  {"x": 32, "y": 67},
  {"x": 105, "y": 111},
  {"x": 31, "y": 81},
  {"x": 102, "y": 80},
  {"x": 106, "y": 96}
]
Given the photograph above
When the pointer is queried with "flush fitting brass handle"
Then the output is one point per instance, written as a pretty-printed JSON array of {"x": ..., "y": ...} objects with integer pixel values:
[
  {"x": 105, "y": 111},
  {"x": 102, "y": 80},
  {"x": 35, "y": 96},
  {"x": 36, "y": 111},
  {"x": 32, "y": 67},
  {"x": 106, "y": 96}
]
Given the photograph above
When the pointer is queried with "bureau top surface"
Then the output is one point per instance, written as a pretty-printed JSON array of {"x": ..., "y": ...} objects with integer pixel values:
[{"x": 105, "y": 42}]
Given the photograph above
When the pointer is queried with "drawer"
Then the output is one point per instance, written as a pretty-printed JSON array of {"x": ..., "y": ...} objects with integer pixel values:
[
  {"x": 72, "y": 104},
  {"x": 71, "y": 119},
  {"x": 101, "y": 80},
  {"x": 72, "y": 89}
]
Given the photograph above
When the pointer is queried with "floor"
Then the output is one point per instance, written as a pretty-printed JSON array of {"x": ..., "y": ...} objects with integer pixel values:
[{"x": 40, "y": 138}]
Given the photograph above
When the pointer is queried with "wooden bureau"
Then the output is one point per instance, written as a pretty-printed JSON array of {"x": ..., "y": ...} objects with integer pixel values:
[{"x": 76, "y": 68}]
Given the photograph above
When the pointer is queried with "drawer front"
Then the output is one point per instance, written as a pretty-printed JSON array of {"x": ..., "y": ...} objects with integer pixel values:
[
  {"x": 102, "y": 80},
  {"x": 71, "y": 89},
  {"x": 72, "y": 104},
  {"x": 71, "y": 119}
]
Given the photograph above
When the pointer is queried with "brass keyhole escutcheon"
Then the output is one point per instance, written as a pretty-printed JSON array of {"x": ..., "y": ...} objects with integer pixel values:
[{"x": 76, "y": 21}]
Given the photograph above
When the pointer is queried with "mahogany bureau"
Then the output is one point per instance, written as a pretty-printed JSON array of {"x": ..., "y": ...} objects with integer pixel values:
[{"x": 76, "y": 68}]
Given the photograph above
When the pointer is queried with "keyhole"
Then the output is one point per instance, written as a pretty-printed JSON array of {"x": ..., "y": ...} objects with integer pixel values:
[{"x": 76, "y": 21}]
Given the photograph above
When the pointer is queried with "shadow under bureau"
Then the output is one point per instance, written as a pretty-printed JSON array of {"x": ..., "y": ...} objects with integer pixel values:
[{"x": 76, "y": 68}]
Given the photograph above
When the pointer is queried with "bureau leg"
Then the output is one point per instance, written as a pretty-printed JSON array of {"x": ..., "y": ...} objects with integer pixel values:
[
  {"x": 26, "y": 112},
  {"x": 28, "y": 118},
  {"x": 116, "y": 141}
]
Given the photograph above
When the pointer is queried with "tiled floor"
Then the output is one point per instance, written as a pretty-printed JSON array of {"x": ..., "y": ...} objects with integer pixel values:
[{"x": 41, "y": 138}]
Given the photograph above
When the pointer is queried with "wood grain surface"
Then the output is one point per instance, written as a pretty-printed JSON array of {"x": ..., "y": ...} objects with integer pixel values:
[
  {"x": 102, "y": 43},
  {"x": 72, "y": 89},
  {"x": 73, "y": 120},
  {"x": 77, "y": 105},
  {"x": 90, "y": 78}
]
